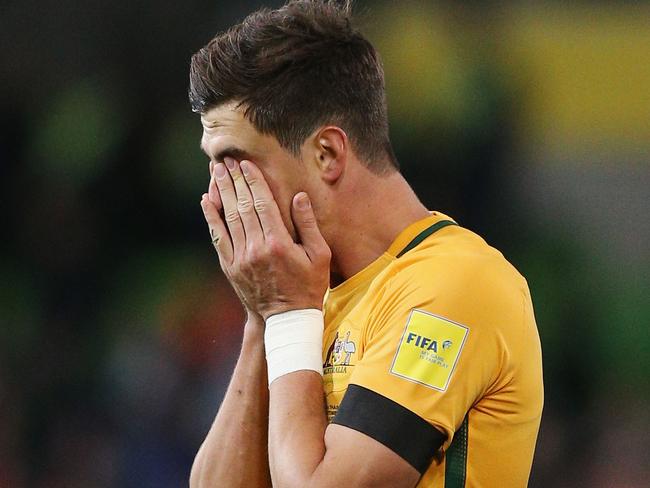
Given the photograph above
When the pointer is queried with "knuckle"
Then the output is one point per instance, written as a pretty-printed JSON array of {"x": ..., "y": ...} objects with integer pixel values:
[
  {"x": 245, "y": 205},
  {"x": 231, "y": 216},
  {"x": 276, "y": 248},
  {"x": 324, "y": 260},
  {"x": 261, "y": 205},
  {"x": 223, "y": 186},
  {"x": 236, "y": 269},
  {"x": 265, "y": 254},
  {"x": 254, "y": 254},
  {"x": 243, "y": 268},
  {"x": 324, "y": 256},
  {"x": 327, "y": 254},
  {"x": 260, "y": 250}
]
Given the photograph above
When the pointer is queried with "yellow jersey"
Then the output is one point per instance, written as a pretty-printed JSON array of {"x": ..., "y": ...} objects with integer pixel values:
[{"x": 433, "y": 350}]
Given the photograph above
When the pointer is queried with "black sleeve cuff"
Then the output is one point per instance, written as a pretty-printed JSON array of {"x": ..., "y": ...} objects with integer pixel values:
[{"x": 396, "y": 427}]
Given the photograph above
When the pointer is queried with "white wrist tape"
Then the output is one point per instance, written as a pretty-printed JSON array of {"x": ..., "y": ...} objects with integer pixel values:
[{"x": 294, "y": 342}]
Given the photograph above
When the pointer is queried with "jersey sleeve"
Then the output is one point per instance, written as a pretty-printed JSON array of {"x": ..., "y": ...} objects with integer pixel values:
[{"x": 432, "y": 348}]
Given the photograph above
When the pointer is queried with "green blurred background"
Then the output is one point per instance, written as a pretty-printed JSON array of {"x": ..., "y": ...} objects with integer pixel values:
[{"x": 528, "y": 122}]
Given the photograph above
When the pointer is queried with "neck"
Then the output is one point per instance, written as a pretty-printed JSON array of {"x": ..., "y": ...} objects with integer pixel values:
[{"x": 371, "y": 214}]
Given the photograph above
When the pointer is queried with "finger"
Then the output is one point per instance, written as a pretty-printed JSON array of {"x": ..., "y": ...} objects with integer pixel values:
[
  {"x": 230, "y": 212},
  {"x": 304, "y": 220},
  {"x": 218, "y": 232},
  {"x": 264, "y": 202},
  {"x": 245, "y": 207},
  {"x": 213, "y": 191}
]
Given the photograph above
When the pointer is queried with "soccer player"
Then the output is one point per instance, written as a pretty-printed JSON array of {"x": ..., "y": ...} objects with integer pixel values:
[{"x": 386, "y": 345}]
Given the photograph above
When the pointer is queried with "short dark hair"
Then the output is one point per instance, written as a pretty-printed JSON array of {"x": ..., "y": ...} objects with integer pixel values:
[{"x": 295, "y": 68}]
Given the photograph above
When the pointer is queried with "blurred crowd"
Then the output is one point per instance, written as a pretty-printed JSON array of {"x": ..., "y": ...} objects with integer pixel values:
[{"x": 528, "y": 123}]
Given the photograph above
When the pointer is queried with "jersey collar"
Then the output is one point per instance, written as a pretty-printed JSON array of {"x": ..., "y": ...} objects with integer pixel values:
[
  {"x": 415, "y": 233},
  {"x": 406, "y": 240}
]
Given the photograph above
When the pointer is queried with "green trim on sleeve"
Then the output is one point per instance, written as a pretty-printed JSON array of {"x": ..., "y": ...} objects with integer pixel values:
[{"x": 456, "y": 458}]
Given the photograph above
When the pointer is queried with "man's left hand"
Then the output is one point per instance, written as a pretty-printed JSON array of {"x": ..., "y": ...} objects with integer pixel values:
[{"x": 269, "y": 271}]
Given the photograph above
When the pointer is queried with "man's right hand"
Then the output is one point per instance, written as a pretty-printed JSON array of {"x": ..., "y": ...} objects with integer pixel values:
[{"x": 254, "y": 320}]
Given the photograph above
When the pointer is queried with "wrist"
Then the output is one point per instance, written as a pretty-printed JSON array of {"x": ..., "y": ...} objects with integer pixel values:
[
  {"x": 254, "y": 318},
  {"x": 294, "y": 341},
  {"x": 286, "y": 307},
  {"x": 254, "y": 327}
]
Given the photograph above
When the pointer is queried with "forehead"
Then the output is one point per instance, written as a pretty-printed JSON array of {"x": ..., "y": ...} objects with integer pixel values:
[
  {"x": 226, "y": 127},
  {"x": 226, "y": 114},
  {"x": 226, "y": 119}
]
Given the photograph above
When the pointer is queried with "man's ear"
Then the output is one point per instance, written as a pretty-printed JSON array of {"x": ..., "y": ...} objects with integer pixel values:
[{"x": 331, "y": 146}]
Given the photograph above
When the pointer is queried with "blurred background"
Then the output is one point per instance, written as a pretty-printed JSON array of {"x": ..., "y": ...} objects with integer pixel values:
[{"x": 528, "y": 122}]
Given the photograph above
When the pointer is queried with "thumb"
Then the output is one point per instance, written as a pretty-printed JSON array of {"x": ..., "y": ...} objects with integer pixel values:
[{"x": 304, "y": 220}]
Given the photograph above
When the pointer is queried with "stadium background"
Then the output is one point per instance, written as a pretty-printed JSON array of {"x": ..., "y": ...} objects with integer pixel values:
[{"x": 529, "y": 122}]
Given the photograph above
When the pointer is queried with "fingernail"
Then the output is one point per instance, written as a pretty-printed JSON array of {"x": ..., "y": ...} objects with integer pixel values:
[
  {"x": 244, "y": 167},
  {"x": 230, "y": 162},
  {"x": 303, "y": 202},
  {"x": 220, "y": 171}
]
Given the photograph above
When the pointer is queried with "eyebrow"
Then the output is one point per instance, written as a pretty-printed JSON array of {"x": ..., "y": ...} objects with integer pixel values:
[{"x": 232, "y": 151}]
